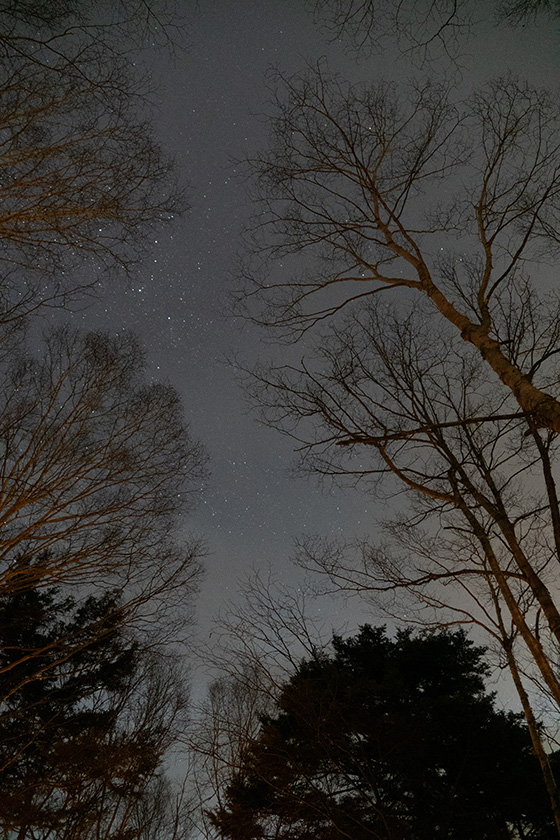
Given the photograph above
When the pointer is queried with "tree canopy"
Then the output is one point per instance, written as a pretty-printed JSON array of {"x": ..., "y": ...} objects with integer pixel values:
[
  {"x": 426, "y": 224},
  {"x": 95, "y": 462},
  {"x": 422, "y": 28},
  {"x": 388, "y": 738},
  {"x": 86, "y": 717},
  {"x": 83, "y": 178}
]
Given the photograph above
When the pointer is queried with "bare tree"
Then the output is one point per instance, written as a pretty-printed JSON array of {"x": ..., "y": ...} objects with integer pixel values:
[
  {"x": 518, "y": 12},
  {"x": 387, "y": 400},
  {"x": 55, "y": 24},
  {"x": 94, "y": 468},
  {"x": 420, "y": 27},
  {"x": 446, "y": 202},
  {"x": 450, "y": 391},
  {"x": 256, "y": 644},
  {"x": 423, "y": 29},
  {"x": 82, "y": 175},
  {"x": 96, "y": 463},
  {"x": 83, "y": 179}
]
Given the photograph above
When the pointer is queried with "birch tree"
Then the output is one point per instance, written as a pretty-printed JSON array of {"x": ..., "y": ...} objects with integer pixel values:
[{"x": 416, "y": 236}]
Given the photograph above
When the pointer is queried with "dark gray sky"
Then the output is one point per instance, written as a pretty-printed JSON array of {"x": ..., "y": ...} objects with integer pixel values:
[{"x": 211, "y": 98}]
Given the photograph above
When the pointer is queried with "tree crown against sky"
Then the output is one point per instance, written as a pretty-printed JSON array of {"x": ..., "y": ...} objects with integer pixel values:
[
  {"x": 355, "y": 177},
  {"x": 84, "y": 178},
  {"x": 96, "y": 466},
  {"x": 410, "y": 190},
  {"x": 137, "y": 21},
  {"x": 389, "y": 738},
  {"x": 96, "y": 461},
  {"x": 85, "y": 181},
  {"x": 416, "y": 229},
  {"x": 363, "y": 439},
  {"x": 87, "y": 447},
  {"x": 86, "y": 718},
  {"x": 422, "y": 29}
]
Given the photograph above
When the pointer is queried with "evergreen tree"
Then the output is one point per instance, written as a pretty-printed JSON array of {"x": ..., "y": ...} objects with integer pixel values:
[
  {"x": 388, "y": 739},
  {"x": 85, "y": 717}
]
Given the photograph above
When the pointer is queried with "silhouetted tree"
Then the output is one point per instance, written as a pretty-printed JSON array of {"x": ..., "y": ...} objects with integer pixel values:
[
  {"x": 82, "y": 175},
  {"x": 83, "y": 179},
  {"x": 527, "y": 11},
  {"x": 450, "y": 388},
  {"x": 421, "y": 28},
  {"x": 388, "y": 739},
  {"x": 95, "y": 465},
  {"x": 108, "y": 21},
  {"x": 354, "y": 176},
  {"x": 86, "y": 718}
]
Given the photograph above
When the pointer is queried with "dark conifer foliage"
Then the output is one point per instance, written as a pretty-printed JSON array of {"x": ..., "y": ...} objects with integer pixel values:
[
  {"x": 388, "y": 739},
  {"x": 85, "y": 717}
]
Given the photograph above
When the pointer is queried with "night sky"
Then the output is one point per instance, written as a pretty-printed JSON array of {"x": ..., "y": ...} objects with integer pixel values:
[{"x": 211, "y": 98}]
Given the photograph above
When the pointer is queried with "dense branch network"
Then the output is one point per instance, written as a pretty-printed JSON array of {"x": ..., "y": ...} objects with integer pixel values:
[
  {"x": 83, "y": 179},
  {"x": 355, "y": 176},
  {"x": 96, "y": 464},
  {"x": 423, "y": 227},
  {"x": 422, "y": 29}
]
